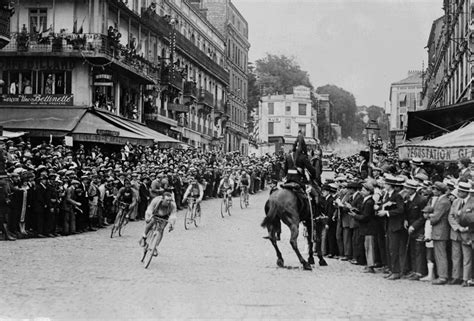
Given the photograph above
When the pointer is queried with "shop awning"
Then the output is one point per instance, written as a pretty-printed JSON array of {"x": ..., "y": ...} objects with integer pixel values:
[
  {"x": 437, "y": 121},
  {"x": 11, "y": 135},
  {"x": 449, "y": 147},
  {"x": 83, "y": 124}
]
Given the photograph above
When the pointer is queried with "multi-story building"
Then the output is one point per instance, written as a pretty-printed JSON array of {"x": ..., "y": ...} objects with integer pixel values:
[
  {"x": 281, "y": 117},
  {"x": 160, "y": 63},
  {"x": 6, "y": 10},
  {"x": 450, "y": 46},
  {"x": 405, "y": 96},
  {"x": 230, "y": 22}
]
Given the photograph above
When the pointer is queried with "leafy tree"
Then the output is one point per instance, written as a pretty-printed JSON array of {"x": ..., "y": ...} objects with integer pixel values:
[
  {"x": 279, "y": 74},
  {"x": 343, "y": 109},
  {"x": 253, "y": 93}
]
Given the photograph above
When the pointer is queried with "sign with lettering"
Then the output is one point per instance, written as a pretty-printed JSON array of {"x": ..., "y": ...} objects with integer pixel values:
[
  {"x": 274, "y": 119},
  {"x": 435, "y": 154},
  {"x": 105, "y": 132},
  {"x": 37, "y": 99},
  {"x": 302, "y": 92},
  {"x": 36, "y": 63}
]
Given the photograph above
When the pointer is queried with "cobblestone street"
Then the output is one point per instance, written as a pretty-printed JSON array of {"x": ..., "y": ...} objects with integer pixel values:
[{"x": 223, "y": 269}]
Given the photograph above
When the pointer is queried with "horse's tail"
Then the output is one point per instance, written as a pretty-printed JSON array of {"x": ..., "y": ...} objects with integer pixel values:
[{"x": 270, "y": 214}]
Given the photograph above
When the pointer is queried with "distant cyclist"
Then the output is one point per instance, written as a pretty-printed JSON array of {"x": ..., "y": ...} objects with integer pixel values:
[
  {"x": 244, "y": 181},
  {"x": 226, "y": 186},
  {"x": 160, "y": 207},
  {"x": 127, "y": 195},
  {"x": 194, "y": 190}
]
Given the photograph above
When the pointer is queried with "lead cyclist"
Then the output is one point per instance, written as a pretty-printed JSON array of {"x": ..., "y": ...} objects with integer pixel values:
[{"x": 162, "y": 207}]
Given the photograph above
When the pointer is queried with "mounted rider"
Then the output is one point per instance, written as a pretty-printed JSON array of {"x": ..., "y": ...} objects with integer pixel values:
[{"x": 296, "y": 163}]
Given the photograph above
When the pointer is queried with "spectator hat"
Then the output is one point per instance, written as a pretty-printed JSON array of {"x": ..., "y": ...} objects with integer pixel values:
[
  {"x": 464, "y": 187},
  {"x": 422, "y": 177},
  {"x": 440, "y": 187},
  {"x": 75, "y": 181},
  {"x": 393, "y": 180},
  {"x": 417, "y": 161},
  {"x": 411, "y": 184},
  {"x": 354, "y": 185}
]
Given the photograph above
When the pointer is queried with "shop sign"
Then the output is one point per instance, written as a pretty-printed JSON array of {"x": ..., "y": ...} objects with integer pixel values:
[
  {"x": 35, "y": 63},
  {"x": 36, "y": 99},
  {"x": 105, "y": 132},
  {"x": 274, "y": 119},
  {"x": 435, "y": 154},
  {"x": 103, "y": 80},
  {"x": 178, "y": 108}
]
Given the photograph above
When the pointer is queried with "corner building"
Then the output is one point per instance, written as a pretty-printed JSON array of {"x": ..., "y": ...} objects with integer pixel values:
[{"x": 156, "y": 63}]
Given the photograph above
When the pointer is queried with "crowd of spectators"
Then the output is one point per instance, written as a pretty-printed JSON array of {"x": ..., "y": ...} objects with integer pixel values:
[
  {"x": 51, "y": 190},
  {"x": 409, "y": 219}
]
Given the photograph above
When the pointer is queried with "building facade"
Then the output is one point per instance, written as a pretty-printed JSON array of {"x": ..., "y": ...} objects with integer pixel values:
[
  {"x": 230, "y": 22},
  {"x": 448, "y": 77},
  {"x": 405, "y": 96},
  {"x": 6, "y": 11},
  {"x": 281, "y": 117},
  {"x": 159, "y": 63}
]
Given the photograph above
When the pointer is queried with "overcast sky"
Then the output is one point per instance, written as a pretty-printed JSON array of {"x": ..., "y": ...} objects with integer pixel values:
[{"x": 360, "y": 45}]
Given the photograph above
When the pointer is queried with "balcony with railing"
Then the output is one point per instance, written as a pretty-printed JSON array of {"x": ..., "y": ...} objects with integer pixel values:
[
  {"x": 184, "y": 45},
  {"x": 91, "y": 46},
  {"x": 172, "y": 78},
  {"x": 190, "y": 90}
]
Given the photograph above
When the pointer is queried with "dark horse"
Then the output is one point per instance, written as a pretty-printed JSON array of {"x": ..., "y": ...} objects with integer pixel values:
[{"x": 284, "y": 205}]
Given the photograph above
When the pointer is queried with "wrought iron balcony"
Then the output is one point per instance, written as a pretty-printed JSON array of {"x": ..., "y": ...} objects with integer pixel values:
[
  {"x": 205, "y": 102},
  {"x": 190, "y": 90},
  {"x": 172, "y": 78},
  {"x": 92, "y": 46}
]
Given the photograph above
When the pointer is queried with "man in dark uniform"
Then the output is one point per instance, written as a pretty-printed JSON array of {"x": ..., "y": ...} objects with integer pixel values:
[{"x": 296, "y": 162}]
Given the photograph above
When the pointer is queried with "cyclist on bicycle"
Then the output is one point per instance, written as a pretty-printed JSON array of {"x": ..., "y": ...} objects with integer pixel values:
[
  {"x": 162, "y": 207},
  {"x": 244, "y": 181},
  {"x": 127, "y": 195},
  {"x": 227, "y": 187},
  {"x": 194, "y": 190}
]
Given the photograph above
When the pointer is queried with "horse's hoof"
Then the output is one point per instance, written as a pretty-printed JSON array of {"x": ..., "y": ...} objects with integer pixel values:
[
  {"x": 280, "y": 262},
  {"x": 311, "y": 260},
  {"x": 307, "y": 267},
  {"x": 322, "y": 263}
]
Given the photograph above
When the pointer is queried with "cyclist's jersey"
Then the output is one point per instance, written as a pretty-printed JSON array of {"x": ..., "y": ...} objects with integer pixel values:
[
  {"x": 227, "y": 185},
  {"x": 155, "y": 209},
  {"x": 245, "y": 180},
  {"x": 127, "y": 196},
  {"x": 195, "y": 190}
]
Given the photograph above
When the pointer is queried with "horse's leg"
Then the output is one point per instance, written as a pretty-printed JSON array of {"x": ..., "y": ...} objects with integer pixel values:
[
  {"x": 294, "y": 245},
  {"x": 309, "y": 238},
  {"x": 280, "y": 261}
]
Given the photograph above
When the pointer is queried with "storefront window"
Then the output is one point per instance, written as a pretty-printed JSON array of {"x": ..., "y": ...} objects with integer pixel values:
[
  {"x": 37, "y": 82},
  {"x": 19, "y": 82}
]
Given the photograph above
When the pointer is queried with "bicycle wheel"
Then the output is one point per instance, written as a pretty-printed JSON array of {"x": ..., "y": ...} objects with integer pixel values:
[
  {"x": 116, "y": 223},
  {"x": 228, "y": 207},
  {"x": 223, "y": 206},
  {"x": 197, "y": 216},
  {"x": 150, "y": 250},
  {"x": 145, "y": 248},
  {"x": 246, "y": 200},
  {"x": 242, "y": 199},
  {"x": 123, "y": 223},
  {"x": 187, "y": 217}
]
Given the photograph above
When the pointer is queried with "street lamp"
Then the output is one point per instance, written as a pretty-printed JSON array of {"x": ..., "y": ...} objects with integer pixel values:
[{"x": 373, "y": 139}]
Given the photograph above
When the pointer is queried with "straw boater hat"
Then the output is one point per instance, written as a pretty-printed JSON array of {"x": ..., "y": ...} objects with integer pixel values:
[
  {"x": 411, "y": 183},
  {"x": 417, "y": 161},
  {"x": 464, "y": 187},
  {"x": 393, "y": 180}
]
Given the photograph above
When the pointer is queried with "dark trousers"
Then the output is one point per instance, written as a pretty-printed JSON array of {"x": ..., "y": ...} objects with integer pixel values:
[
  {"x": 331, "y": 239},
  {"x": 358, "y": 249},
  {"x": 397, "y": 246},
  {"x": 347, "y": 237},
  {"x": 42, "y": 220},
  {"x": 53, "y": 221},
  {"x": 142, "y": 205},
  {"x": 417, "y": 256},
  {"x": 339, "y": 239}
]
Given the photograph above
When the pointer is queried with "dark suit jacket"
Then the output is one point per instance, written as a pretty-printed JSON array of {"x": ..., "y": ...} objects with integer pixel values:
[
  {"x": 366, "y": 218},
  {"x": 356, "y": 202},
  {"x": 396, "y": 212},
  {"x": 414, "y": 215},
  {"x": 329, "y": 209},
  {"x": 40, "y": 202}
]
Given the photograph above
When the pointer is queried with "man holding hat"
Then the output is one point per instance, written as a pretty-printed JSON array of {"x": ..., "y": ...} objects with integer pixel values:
[
  {"x": 417, "y": 167},
  {"x": 464, "y": 170}
]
